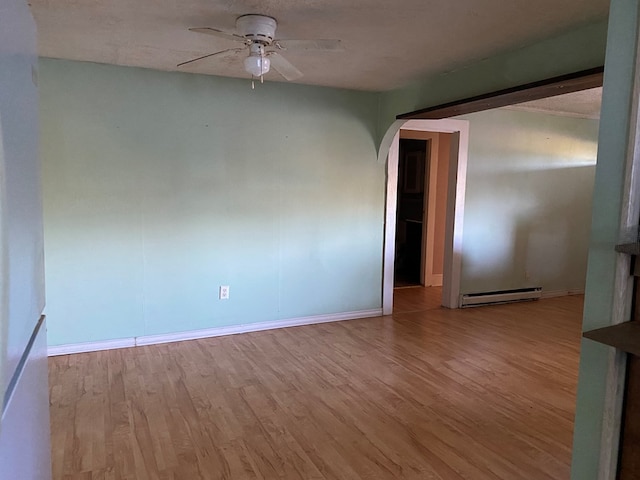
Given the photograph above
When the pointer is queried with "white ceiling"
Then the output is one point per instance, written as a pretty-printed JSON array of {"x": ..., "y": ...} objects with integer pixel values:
[
  {"x": 584, "y": 104},
  {"x": 387, "y": 44}
]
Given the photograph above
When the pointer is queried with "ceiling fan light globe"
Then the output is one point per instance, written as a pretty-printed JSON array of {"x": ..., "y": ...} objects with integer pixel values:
[{"x": 256, "y": 65}]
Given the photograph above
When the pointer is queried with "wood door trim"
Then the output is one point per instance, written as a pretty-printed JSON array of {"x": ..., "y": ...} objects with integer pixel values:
[
  {"x": 623, "y": 336},
  {"x": 550, "y": 87}
]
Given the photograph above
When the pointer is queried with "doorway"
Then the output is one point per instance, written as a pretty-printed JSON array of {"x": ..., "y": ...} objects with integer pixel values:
[
  {"x": 423, "y": 182},
  {"x": 453, "y": 211},
  {"x": 413, "y": 167}
]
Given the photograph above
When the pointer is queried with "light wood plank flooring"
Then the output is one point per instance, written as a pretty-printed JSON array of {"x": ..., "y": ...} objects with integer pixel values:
[
  {"x": 416, "y": 299},
  {"x": 477, "y": 394}
]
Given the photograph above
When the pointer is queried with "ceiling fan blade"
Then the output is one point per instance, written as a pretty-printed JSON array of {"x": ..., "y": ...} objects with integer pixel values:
[
  {"x": 328, "y": 45},
  {"x": 219, "y": 33},
  {"x": 223, "y": 53},
  {"x": 284, "y": 67}
]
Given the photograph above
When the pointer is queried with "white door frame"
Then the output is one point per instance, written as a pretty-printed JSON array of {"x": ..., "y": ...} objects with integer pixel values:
[{"x": 388, "y": 152}]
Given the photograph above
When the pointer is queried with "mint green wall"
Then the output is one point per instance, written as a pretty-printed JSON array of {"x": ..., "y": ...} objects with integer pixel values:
[
  {"x": 617, "y": 101},
  {"x": 160, "y": 187},
  {"x": 569, "y": 52},
  {"x": 528, "y": 201}
]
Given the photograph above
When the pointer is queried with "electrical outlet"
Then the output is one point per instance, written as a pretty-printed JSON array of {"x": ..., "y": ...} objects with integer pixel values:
[{"x": 224, "y": 292}]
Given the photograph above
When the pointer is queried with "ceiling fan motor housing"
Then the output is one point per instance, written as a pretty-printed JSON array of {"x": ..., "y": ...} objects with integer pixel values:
[{"x": 257, "y": 28}]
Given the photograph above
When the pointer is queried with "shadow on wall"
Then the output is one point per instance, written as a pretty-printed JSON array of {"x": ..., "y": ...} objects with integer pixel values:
[{"x": 529, "y": 229}]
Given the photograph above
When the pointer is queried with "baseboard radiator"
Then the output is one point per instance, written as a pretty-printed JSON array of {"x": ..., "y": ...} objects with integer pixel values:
[{"x": 502, "y": 296}]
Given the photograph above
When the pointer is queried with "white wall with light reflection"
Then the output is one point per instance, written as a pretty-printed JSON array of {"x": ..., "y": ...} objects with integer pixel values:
[{"x": 528, "y": 201}]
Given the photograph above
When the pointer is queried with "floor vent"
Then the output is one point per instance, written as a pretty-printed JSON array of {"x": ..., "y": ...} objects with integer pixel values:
[{"x": 502, "y": 296}]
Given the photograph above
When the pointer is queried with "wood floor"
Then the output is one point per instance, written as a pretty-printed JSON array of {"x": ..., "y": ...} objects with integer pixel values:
[{"x": 476, "y": 394}]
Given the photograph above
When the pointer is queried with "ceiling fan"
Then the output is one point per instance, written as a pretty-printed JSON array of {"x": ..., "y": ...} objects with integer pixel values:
[{"x": 257, "y": 33}]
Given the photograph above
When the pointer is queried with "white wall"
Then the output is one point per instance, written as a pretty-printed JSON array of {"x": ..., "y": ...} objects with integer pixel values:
[{"x": 528, "y": 201}]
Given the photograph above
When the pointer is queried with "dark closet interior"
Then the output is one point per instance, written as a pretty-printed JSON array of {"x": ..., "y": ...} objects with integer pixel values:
[{"x": 412, "y": 164}]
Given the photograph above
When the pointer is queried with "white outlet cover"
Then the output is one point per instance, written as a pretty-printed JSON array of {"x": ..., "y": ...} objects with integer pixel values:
[{"x": 224, "y": 292}]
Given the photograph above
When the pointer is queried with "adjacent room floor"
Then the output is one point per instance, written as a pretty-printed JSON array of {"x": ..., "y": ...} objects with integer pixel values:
[{"x": 428, "y": 393}]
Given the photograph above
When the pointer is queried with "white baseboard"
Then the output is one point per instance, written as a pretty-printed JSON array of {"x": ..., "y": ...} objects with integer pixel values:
[
  {"x": 561, "y": 293},
  {"x": 208, "y": 332},
  {"x": 52, "y": 351}
]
